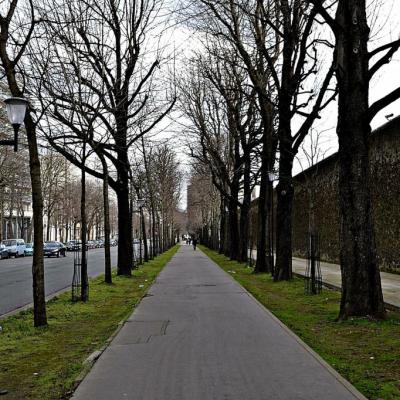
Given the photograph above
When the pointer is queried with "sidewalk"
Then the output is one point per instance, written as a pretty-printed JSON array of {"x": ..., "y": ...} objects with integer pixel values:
[
  {"x": 198, "y": 335},
  {"x": 331, "y": 275}
]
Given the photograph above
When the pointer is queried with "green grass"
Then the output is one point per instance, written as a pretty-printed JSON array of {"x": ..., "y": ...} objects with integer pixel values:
[
  {"x": 43, "y": 363},
  {"x": 365, "y": 352}
]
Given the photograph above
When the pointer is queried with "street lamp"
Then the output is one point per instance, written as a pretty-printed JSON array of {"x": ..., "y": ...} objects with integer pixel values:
[{"x": 16, "y": 109}]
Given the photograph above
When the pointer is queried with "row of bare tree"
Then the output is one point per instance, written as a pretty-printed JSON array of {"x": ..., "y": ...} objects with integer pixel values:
[
  {"x": 94, "y": 73},
  {"x": 264, "y": 72},
  {"x": 61, "y": 199}
]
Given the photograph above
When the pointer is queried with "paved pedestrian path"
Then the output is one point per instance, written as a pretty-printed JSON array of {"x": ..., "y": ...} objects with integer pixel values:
[{"x": 198, "y": 335}]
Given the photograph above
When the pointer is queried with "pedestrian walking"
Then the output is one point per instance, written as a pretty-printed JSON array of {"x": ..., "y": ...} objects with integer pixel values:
[{"x": 194, "y": 243}]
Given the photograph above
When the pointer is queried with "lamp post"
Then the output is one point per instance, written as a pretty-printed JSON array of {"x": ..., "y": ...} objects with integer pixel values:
[
  {"x": 271, "y": 178},
  {"x": 140, "y": 204},
  {"x": 16, "y": 109}
]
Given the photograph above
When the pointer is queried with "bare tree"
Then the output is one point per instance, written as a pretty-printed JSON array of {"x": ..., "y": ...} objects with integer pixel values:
[
  {"x": 17, "y": 25},
  {"x": 203, "y": 206},
  {"x": 243, "y": 25},
  {"x": 53, "y": 184},
  {"x": 355, "y": 66},
  {"x": 167, "y": 178},
  {"x": 276, "y": 43},
  {"x": 221, "y": 105},
  {"x": 104, "y": 44}
]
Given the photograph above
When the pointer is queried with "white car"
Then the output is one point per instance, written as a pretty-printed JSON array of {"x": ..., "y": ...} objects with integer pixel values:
[{"x": 15, "y": 247}]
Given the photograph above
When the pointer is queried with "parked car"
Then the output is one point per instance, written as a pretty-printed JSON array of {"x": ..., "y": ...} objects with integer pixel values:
[
  {"x": 91, "y": 244},
  {"x": 4, "y": 252},
  {"x": 54, "y": 249},
  {"x": 15, "y": 247},
  {"x": 74, "y": 245},
  {"x": 29, "y": 249}
]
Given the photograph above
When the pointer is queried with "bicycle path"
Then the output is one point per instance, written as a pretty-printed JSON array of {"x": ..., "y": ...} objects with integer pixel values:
[{"x": 198, "y": 335}]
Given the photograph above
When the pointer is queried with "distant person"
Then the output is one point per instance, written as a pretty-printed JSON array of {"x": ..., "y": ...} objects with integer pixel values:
[{"x": 194, "y": 243}]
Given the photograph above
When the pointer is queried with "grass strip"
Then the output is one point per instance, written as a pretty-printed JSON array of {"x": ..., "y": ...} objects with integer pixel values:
[
  {"x": 43, "y": 363},
  {"x": 365, "y": 352}
]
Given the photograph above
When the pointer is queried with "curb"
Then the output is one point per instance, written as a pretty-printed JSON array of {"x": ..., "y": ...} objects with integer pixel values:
[
  {"x": 90, "y": 361},
  {"x": 30, "y": 305},
  {"x": 315, "y": 355},
  {"x": 306, "y": 347}
]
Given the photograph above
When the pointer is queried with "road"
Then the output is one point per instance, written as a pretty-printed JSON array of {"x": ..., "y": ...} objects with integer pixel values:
[{"x": 16, "y": 276}]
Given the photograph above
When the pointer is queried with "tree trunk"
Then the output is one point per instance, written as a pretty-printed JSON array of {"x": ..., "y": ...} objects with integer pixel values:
[
  {"x": 361, "y": 283},
  {"x": 10, "y": 233},
  {"x": 107, "y": 253},
  {"x": 39, "y": 299},
  {"x": 125, "y": 246},
  {"x": 244, "y": 213},
  {"x": 48, "y": 227},
  {"x": 84, "y": 274},
  {"x": 234, "y": 230},
  {"x": 227, "y": 240},
  {"x": 283, "y": 267},
  {"x": 151, "y": 253},
  {"x": 222, "y": 226},
  {"x": 153, "y": 229},
  {"x": 1, "y": 214},
  {"x": 144, "y": 236},
  {"x": 159, "y": 250},
  {"x": 39, "y": 296},
  {"x": 284, "y": 211},
  {"x": 262, "y": 264}
]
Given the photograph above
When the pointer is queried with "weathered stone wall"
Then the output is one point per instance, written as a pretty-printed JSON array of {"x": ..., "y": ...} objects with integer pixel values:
[
  {"x": 319, "y": 183},
  {"x": 323, "y": 180}
]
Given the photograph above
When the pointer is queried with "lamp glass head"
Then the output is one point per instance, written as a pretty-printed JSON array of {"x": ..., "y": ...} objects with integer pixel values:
[{"x": 16, "y": 109}]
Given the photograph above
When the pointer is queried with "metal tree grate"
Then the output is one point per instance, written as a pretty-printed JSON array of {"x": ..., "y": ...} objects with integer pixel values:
[
  {"x": 313, "y": 277},
  {"x": 76, "y": 279}
]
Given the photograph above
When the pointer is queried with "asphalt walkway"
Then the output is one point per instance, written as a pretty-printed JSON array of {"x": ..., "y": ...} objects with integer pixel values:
[{"x": 198, "y": 335}]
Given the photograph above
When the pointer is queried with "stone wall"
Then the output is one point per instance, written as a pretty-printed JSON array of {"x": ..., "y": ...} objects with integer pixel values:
[{"x": 322, "y": 180}]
